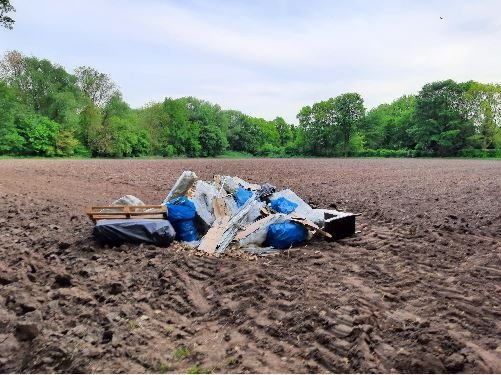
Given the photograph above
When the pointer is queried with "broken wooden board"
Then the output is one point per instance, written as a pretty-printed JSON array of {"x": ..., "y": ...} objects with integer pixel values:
[
  {"x": 251, "y": 228},
  {"x": 213, "y": 236},
  {"x": 225, "y": 228},
  {"x": 309, "y": 224}
]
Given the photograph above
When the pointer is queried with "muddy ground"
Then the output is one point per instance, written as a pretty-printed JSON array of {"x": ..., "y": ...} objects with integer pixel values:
[{"x": 418, "y": 290}]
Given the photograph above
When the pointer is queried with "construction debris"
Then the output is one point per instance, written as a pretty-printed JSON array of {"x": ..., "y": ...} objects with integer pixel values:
[{"x": 226, "y": 214}]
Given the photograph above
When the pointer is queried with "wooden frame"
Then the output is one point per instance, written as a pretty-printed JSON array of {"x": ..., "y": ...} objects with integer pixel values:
[{"x": 96, "y": 213}]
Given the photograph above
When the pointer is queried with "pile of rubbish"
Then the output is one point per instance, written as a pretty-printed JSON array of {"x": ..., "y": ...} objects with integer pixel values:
[{"x": 227, "y": 213}]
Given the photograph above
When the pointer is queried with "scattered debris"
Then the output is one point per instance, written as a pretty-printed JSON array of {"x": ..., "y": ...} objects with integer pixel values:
[{"x": 226, "y": 214}]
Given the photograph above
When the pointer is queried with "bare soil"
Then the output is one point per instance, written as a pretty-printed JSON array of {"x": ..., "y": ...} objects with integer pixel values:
[{"x": 418, "y": 290}]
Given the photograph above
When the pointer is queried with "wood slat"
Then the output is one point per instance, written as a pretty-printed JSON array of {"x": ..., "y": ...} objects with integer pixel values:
[{"x": 96, "y": 213}]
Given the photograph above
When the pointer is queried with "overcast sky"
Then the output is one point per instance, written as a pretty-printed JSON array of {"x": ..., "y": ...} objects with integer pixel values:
[{"x": 266, "y": 58}]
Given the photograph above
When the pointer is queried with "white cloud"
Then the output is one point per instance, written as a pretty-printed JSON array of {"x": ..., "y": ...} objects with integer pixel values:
[{"x": 266, "y": 58}]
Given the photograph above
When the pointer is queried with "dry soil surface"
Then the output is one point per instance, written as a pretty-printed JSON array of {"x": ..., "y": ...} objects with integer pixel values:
[{"x": 418, "y": 290}]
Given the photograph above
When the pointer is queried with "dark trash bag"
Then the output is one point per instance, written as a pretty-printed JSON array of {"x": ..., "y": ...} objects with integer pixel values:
[
  {"x": 241, "y": 196},
  {"x": 285, "y": 235},
  {"x": 266, "y": 190},
  {"x": 282, "y": 205},
  {"x": 181, "y": 213},
  {"x": 118, "y": 231}
]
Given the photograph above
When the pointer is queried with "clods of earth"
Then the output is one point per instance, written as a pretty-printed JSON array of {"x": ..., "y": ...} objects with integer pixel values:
[{"x": 418, "y": 290}]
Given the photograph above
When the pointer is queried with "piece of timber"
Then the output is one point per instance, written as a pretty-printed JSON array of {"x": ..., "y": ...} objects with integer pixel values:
[
  {"x": 309, "y": 224},
  {"x": 252, "y": 227},
  {"x": 211, "y": 239},
  {"x": 96, "y": 213}
]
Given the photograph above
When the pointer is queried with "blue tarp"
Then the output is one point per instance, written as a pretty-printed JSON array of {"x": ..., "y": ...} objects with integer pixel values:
[{"x": 283, "y": 205}]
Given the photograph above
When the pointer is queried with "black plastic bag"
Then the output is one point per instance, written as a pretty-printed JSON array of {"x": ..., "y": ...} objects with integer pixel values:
[{"x": 150, "y": 231}]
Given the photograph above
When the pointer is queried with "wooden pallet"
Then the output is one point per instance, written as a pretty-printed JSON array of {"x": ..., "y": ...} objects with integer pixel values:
[{"x": 96, "y": 213}]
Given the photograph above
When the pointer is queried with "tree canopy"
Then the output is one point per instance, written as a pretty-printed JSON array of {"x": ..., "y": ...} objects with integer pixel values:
[{"x": 47, "y": 111}]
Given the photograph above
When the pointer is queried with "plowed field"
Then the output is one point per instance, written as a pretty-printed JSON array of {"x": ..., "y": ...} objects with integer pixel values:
[{"x": 417, "y": 290}]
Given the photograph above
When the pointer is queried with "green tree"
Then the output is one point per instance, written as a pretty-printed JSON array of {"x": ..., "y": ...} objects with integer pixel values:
[
  {"x": 11, "y": 66},
  {"x": 328, "y": 127},
  {"x": 244, "y": 133},
  {"x": 387, "y": 126},
  {"x": 40, "y": 134},
  {"x": 10, "y": 140},
  {"x": 483, "y": 106},
  {"x": 5, "y": 8},
  {"x": 155, "y": 120},
  {"x": 120, "y": 137},
  {"x": 284, "y": 130},
  {"x": 349, "y": 111},
  {"x": 442, "y": 124},
  {"x": 90, "y": 125},
  {"x": 66, "y": 143},
  {"x": 115, "y": 107},
  {"x": 41, "y": 82},
  {"x": 99, "y": 87},
  {"x": 211, "y": 122},
  {"x": 182, "y": 135}
]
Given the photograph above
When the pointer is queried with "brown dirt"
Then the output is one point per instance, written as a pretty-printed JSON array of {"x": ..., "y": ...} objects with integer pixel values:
[{"x": 418, "y": 290}]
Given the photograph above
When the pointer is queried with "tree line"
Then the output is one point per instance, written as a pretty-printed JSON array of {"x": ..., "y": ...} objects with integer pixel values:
[{"x": 47, "y": 111}]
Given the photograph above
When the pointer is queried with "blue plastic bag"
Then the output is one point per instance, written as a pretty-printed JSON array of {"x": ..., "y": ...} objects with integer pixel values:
[
  {"x": 282, "y": 205},
  {"x": 181, "y": 213},
  {"x": 241, "y": 196},
  {"x": 285, "y": 235}
]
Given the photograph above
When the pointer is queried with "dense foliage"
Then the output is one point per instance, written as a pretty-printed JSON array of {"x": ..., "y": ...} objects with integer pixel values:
[{"x": 46, "y": 111}]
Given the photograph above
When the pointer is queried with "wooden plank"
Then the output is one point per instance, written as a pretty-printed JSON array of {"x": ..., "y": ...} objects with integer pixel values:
[
  {"x": 157, "y": 206},
  {"x": 211, "y": 239},
  {"x": 124, "y": 214},
  {"x": 127, "y": 212},
  {"x": 309, "y": 224},
  {"x": 251, "y": 228}
]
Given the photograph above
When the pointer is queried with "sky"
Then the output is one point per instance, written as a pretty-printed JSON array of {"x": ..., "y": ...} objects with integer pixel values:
[{"x": 266, "y": 58}]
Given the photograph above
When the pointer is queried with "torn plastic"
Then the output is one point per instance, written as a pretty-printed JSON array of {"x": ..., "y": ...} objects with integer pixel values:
[
  {"x": 241, "y": 196},
  {"x": 303, "y": 209},
  {"x": 182, "y": 185},
  {"x": 203, "y": 196},
  {"x": 231, "y": 184},
  {"x": 258, "y": 237},
  {"x": 118, "y": 231},
  {"x": 254, "y": 212},
  {"x": 283, "y": 205},
  {"x": 128, "y": 200}
]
